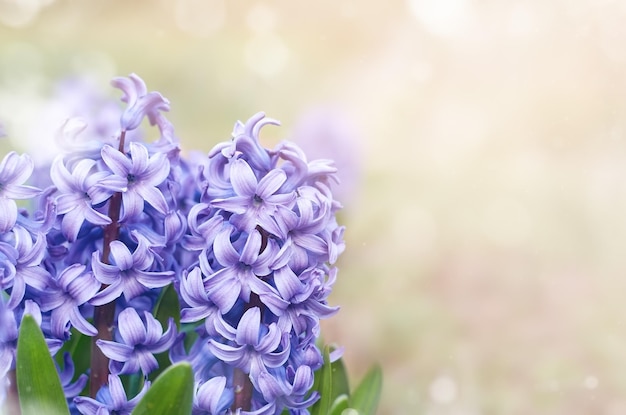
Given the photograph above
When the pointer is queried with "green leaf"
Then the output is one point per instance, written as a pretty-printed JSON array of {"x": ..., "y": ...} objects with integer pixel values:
[
  {"x": 340, "y": 404},
  {"x": 171, "y": 393},
  {"x": 132, "y": 383},
  {"x": 324, "y": 386},
  {"x": 166, "y": 307},
  {"x": 340, "y": 379},
  {"x": 366, "y": 396},
  {"x": 79, "y": 347},
  {"x": 38, "y": 384},
  {"x": 191, "y": 336}
]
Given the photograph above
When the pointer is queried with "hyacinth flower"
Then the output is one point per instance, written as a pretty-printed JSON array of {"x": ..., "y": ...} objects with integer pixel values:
[
  {"x": 71, "y": 289},
  {"x": 79, "y": 193},
  {"x": 196, "y": 283},
  {"x": 255, "y": 291},
  {"x": 129, "y": 275},
  {"x": 255, "y": 349},
  {"x": 239, "y": 276},
  {"x": 139, "y": 341},
  {"x": 14, "y": 171},
  {"x": 137, "y": 178},
  {"x": 22, "y": 262},
  {"x": 254, "y": 202},
  {"x": 212, "y": 397},
  {"x": 110, "y": 400}
]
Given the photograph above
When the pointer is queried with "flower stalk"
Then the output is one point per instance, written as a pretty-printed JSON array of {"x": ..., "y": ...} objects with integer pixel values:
[{"x": 104, "y": 315}]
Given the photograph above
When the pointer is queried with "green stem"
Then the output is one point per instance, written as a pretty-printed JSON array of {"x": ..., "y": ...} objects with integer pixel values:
[{"x": 104, "y": 315}]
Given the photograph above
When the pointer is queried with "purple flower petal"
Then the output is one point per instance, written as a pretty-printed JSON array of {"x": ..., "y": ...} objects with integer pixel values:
[
  {"x": 116, "y": 161},
  {"x": 130, "y": 327},
  {"x": 248, "y": 328}
]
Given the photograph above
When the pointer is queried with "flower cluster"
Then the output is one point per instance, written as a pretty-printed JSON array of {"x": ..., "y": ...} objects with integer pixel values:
[{"x": 246, "y": 238}]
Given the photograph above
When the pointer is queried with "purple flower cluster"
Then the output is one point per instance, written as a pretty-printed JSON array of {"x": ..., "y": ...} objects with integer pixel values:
[{"x": 247, "y": 237}]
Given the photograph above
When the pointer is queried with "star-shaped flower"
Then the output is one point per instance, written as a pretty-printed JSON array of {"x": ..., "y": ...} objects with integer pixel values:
[
  {"x": 256, "y": 346},
  {"x": 138, "y": 342},
  {"x": 241, "y": 272},
  {"x": 78, "y": 193},
  {"x": 255, "y": 201},
  {"x": 141, "y": 174},
  {"x": 110, "y": 400},
  {"x": 72, "y": 288},
  {"x": 128, "y": 274},
  {"x": 14, "y": 171},
  {"x": 140, "y": 102}
]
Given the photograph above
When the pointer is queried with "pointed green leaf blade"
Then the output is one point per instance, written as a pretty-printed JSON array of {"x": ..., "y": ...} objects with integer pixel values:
[
  {"x": 324, "y": 387},
  {"x": 38, "y": 384},
  {"x": 340, "y": 379},
  {"x": 340, "y": 404},
  {"x": 168, "y": 306},
  {"x": 171, "y": 393},
  {"x": 366, "y": 396}
]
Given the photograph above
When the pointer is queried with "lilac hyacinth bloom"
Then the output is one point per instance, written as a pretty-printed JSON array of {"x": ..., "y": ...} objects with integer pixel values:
[
  {"x": 276, "y": 237},
  {"x": 305, "y": 309},
  {"x": 24, "y": 262},
  {"x": 302, "y": 228},
  {"x": 256, "y": 346},
  {"x": 140, "y": 102},
  {"x": 255, "y": 201},
  {"x": 8, "y": 339},
  {"x": 204, "y": 225},
  {"x": 110, "y": 400},
  {"x": 240, "y": 275},
  {"x": 195, "y": 296},
  {"x": 212, "y": 397},
  {"x": 128, "y": 274},
  {"x": 79, "y": 191},
  {"x": 246, "y": 141},
  {"x": 138, "y": 176},
  {"x": 139, "y": 341},
  {"x": 14, "y": 171},
  {"x": 288, "y": 388},
  {"x": 72, "y": 288}
]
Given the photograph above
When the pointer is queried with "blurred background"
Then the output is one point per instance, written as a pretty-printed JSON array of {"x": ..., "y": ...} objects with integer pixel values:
[{"x": 483, "y": 153}]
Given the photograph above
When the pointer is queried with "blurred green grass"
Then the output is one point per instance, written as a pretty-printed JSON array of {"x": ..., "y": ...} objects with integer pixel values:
[{"x": 484, "y": 266}]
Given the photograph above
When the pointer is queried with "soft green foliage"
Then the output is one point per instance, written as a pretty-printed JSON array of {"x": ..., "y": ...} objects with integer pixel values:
[
  {"x": 331, "y": 381},
  {"x": 167, "y": 307},
  {"x": 39, "y": 388},
  {"x": 366, "y": 396},
  {"x": 341, "y": 403},
  {"x": 171, "y": 393},
  {"x": 324, "y": 384},
  {"x": 79, "y": 347},
  {"x": 340, "y": 382}
]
